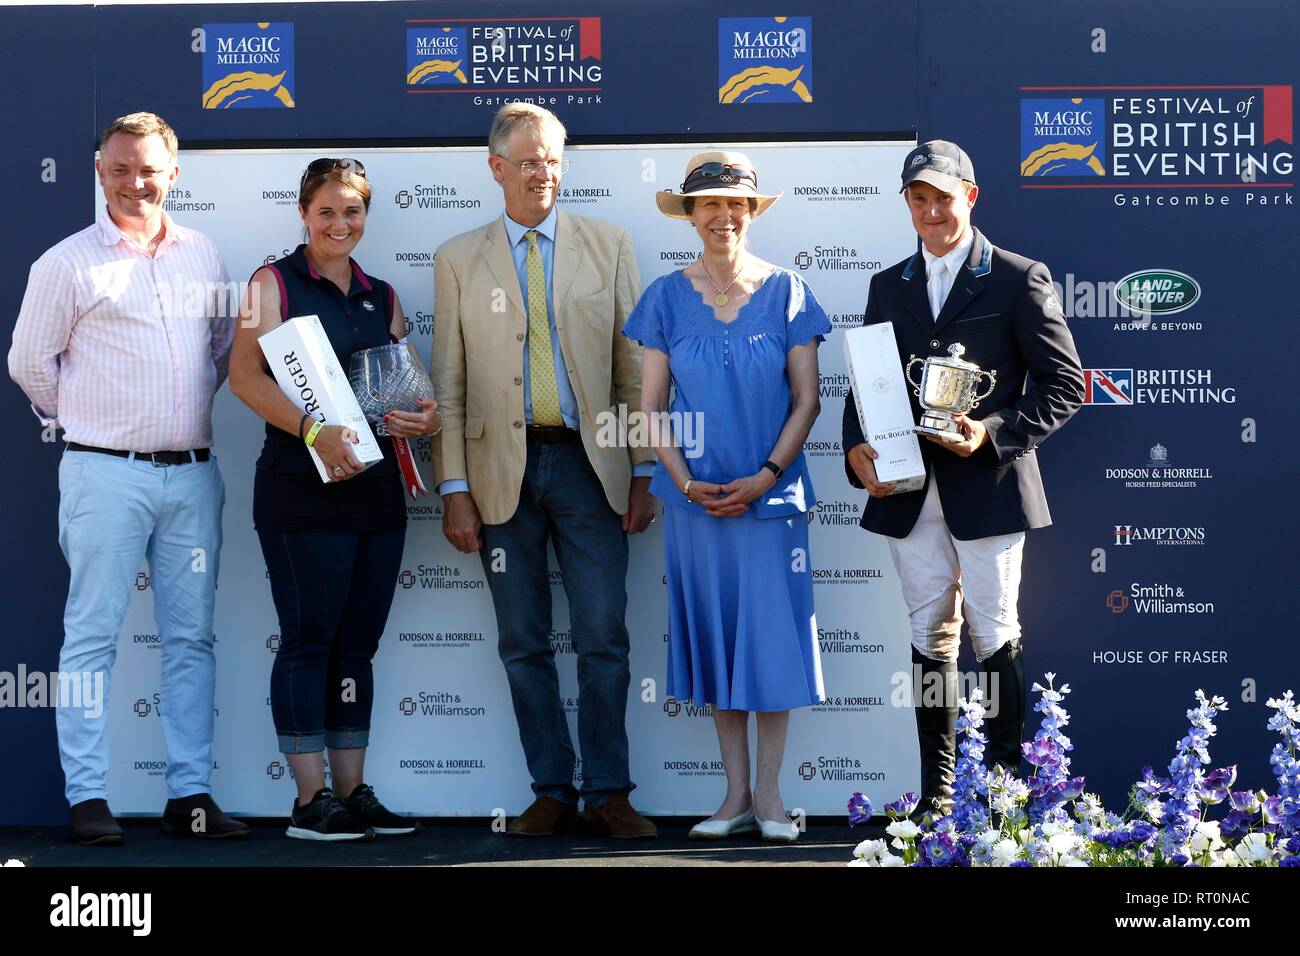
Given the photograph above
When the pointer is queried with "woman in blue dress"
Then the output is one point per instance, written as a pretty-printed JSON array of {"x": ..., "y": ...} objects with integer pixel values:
[{"x": 738, "y": 338}]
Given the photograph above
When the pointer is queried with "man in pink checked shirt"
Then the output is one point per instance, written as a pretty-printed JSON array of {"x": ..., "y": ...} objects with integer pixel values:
[{"x": 122, "y": 340}]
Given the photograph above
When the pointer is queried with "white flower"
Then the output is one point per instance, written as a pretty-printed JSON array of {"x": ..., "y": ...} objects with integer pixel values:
[
  {"x": 1062, "y": 843},
  {"x": 1155, "y": 809},
  {"x": 1206, "y": 837},
  {"x": 870, "y": 849},
  {"x": 14, "y": 863},
  {"x": 1253, "y": 848},
  {"x": 860, "y": 862},
  {"x": 1071, "y": 861},
  {"x": 1005, "y": 851},
  {"x": 903, "y": 829},
  {"x": 888, "y": 859},
  {"x": 1230, "y": 858}
]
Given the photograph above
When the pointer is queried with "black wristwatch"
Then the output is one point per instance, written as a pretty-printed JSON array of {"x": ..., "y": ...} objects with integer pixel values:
[{"x": 774, "y": 468}]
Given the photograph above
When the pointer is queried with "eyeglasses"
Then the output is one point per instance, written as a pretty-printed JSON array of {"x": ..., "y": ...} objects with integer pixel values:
[
  {"x": 725, "y": 173},
  {"x": 318, "y": 167},
  {"x": 534, "y": 168}
]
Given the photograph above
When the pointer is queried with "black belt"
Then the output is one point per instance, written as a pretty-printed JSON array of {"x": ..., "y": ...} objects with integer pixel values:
[
  {"x": 551, "y": 434},
  {"x": 159, "y": 458}
]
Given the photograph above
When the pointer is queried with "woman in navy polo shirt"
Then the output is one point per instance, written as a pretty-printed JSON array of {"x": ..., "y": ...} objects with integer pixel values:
[{"x": 333, "y": 550}]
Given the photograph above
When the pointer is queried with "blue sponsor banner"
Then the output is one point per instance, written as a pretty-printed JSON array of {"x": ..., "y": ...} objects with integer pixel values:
[
  {"x": 765, "y": 60},
  {"x": 248, "y": 66}
]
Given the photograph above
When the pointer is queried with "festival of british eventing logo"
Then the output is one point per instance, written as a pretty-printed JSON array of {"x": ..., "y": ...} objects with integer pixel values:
[{"x": 1161, "y": 146}]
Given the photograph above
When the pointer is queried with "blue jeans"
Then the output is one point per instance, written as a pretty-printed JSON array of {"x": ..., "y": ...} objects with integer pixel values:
[
  {"x": 113, "y": 514},
  {"x": 563, "y": 500},
  {"x": 332, "y": 592}
]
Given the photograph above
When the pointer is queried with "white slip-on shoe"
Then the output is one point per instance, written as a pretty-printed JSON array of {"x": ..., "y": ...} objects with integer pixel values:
[
  {"x": 777, "y": 832},
  {"x": 721, "y": 829}
]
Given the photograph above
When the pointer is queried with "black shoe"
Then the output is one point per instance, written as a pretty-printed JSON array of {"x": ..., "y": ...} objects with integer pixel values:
[
  {"x": 179, "y": 819},
  {"x": 365, "y": 806},
  {"x": 93, "y": 824},
  {"x": 936, "y": 732},
  {"x": 327, "y": 820},
  {"x": 1007, "y": 729}
]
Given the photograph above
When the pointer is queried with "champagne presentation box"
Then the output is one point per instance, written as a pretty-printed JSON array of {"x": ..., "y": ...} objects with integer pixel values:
[
  {"x": 307, "y": 370},
  {"x": 884, "y": 411}
]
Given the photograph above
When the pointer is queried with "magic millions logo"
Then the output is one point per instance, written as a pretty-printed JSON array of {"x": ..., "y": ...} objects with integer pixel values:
[
  {"x": 436, "y": 57},
  {"x": 248, "y": 66},
  {"x": 765, "y": 60},
  {"x": 550, "y": 61},
  {"x": 1192, "y": 137}
]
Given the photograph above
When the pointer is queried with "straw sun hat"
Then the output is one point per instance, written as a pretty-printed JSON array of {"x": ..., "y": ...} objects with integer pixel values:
[{"x": 715, "y": 173}]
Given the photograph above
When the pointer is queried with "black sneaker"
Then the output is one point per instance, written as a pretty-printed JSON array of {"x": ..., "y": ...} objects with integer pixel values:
[
  {"x": 326, "y": 819},
  {"x": 365, "y": 806}
]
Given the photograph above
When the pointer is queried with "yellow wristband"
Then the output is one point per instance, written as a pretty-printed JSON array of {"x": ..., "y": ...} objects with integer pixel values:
[{"x": 313, "y": 432}]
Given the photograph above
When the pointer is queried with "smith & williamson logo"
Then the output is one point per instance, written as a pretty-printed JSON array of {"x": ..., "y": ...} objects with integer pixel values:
[
  {"x": 248, "y": 66},
  {"x": 838, "y": 768},
  {"x": 1162, "y": 136},
  {"x": 765, "y": 60},
  {"x": 558, "y": 61}
]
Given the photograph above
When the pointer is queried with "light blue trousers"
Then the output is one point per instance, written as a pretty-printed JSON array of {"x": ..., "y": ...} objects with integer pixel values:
[{"x": 113, "y": 513}]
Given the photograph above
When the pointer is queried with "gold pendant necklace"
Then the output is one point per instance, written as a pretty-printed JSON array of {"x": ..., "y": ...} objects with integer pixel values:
[{"x": 721, "y": 297}]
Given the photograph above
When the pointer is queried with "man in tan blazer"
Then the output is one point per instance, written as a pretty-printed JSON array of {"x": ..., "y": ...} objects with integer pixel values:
[{"x": 528, "y": 360}]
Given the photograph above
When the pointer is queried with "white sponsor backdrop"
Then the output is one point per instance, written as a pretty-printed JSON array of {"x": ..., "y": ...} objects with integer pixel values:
[{"x": 444, "y": 739}]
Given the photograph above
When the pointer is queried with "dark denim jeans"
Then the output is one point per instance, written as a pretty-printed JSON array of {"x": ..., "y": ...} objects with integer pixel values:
[
  {"x": 563, "y": 500},
  {"x": 332, "y": 591}
]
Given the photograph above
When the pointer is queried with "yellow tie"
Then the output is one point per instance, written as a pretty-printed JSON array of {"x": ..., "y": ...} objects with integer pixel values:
[{"x": 541, "y": 361}]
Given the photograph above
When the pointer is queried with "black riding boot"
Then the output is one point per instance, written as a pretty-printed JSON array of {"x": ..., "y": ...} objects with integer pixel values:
[
  {"x": 936, "y": 730},
  {"x": 1007, "y": 729}
]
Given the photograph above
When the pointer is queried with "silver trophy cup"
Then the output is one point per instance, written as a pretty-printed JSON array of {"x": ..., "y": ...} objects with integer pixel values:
[
  {"x": 947, "y": 388},
  {"x": 388, "y": 378}
]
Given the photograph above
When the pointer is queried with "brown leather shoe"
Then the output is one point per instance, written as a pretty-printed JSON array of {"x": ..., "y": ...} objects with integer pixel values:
[
  {"x": 546, "y": 816},
  {"x": 616, "y": 818},
  {"x": 93, "y": 824},
  {"x": 179, "y": 819}
]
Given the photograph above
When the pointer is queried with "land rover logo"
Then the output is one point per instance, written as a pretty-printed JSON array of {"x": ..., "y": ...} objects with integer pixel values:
[{"x": 1159, "y": 291}]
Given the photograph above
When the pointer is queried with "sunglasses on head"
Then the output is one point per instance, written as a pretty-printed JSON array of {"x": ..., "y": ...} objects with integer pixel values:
[
  {"x": 318, "y": 167},
  {"x": 725, "y": 173}
]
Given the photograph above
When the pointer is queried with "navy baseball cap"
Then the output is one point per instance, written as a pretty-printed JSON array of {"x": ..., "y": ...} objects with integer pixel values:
[{"x": 941, "y": 164}]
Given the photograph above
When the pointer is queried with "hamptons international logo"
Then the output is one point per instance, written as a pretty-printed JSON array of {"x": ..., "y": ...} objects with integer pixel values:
[
  {"x": 545, "y": 55},
  {"x": 1062, "y": 137},
  {"x": 436, "y": 56},
  {"x": 248, "y": 66},
  {"x": 1169, "y": 136},
  {"x": 765, "y": 60}
]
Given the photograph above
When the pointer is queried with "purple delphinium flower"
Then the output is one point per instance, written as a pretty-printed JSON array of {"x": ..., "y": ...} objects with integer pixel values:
[
  {"x": 859, "y": 809},
  {"x": 1048, "y": 755},
  {"x": 970, "y": 785},
  {"x": 1182, "y": 809},
  {"x": 1234, "y": 825},
  {"x": 1285, "y": 759},
  {"x": 904, "y": 806},
  {"x": 1217, "y": 784},
  {"x": 1289, "y": 861},
  {"x": 1150, "y": 784},
  {"x": 1245, "y": 801}
]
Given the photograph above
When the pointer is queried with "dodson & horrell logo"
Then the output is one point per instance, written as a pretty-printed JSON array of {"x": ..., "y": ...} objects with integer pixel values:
[
  {"x": 1165, "y": 136},
  {"x": 547, "y": 56},
  {"x": 248, "y": 66},
  {"x": 765, "y": 60},
  {"x": 1161, "y": 291}
]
